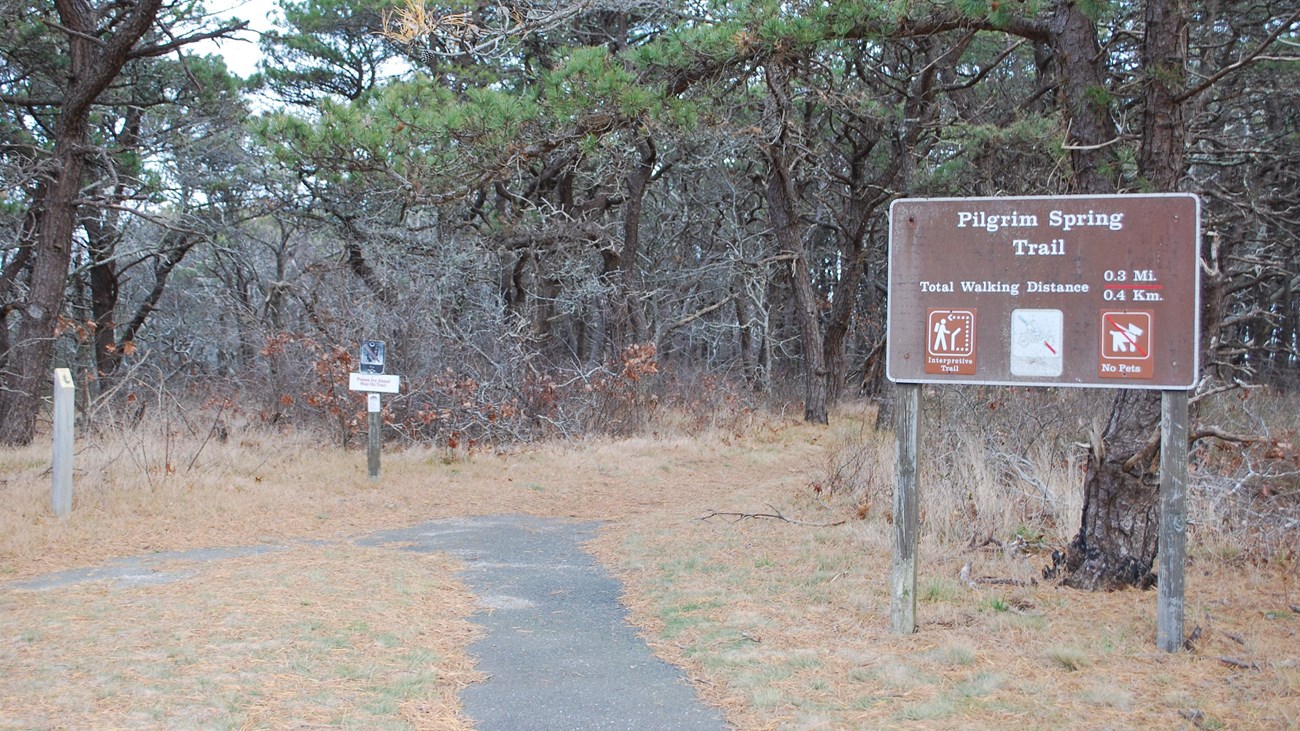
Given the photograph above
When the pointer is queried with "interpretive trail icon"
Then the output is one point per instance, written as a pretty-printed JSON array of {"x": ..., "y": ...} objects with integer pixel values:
[{"x": 951, "y": 345}]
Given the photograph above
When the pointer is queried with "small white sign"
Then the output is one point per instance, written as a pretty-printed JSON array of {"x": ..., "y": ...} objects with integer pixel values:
[
  {"x": 377, "y": 382},
  {"x": 372, "y": 404}
]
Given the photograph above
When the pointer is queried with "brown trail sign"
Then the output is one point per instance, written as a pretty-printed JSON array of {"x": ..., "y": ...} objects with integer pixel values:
[
  {"x": 1081, "y": 291},
  {"x": 1052, "y": 291}
]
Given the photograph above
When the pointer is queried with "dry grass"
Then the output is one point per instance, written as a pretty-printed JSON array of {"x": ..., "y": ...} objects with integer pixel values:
[
  {"x": 787, "y": 627},
  {"x": 784, "y": 626},
  {"x": 270, "y": 487},
  {"x": 314, "y": 636}
]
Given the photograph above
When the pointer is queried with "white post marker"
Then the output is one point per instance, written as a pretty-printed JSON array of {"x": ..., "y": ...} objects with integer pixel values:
[{"x": 64, "y": 395}]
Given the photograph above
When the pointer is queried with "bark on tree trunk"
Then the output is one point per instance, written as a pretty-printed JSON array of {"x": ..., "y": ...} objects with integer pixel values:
[
  {"x": 782, "y": 201},
  {"x": 175, "y": 247},
  {"x": 1085, "y": 98},
  {"x": 102, "y": 239},
  {"x": 93, "y": 64},
  {"x": 29, "y": 358},
  {"x": 1116, "y": 545},
  {"x": 837, "y": 328},
  {"x": 781, "y": 211},
  {"x": 633, "y": 320}
]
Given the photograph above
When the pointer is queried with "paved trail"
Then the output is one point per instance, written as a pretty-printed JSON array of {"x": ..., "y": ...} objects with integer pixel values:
[{"x": 558, "y": 649}]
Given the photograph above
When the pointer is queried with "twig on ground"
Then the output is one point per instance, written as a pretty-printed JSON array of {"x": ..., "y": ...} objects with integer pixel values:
[
  {"x": 774, "y": 515},
  {"x": 1237, "y": 663},
  {"x": 1003, "y": 582},
  {"x": 1196, "y": 716},
  {"x": 216, "y": 424},
  {"x": 975, "y": 544}
]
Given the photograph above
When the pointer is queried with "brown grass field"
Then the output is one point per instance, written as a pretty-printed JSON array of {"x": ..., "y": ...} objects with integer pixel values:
[{"x": 782, "y": 625}]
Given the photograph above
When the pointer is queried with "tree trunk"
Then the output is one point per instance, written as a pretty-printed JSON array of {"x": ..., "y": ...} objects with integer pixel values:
[
  {"x": 101, "y": 240},
  {"x": 93, "y": 64},
  {"x": 782, "y": 198},
  {"x": 1116, "y": 545},
  {"x": 1164, "y": 57},
  {"x": 29, "y": 358},
  {"x": 841, "y": 318},
  {"x": 629, "y": 318},
  {"x": 781, "y": 211},
  {"x": 1083, "y": 94},
  {"x": 174, "y": 248}
]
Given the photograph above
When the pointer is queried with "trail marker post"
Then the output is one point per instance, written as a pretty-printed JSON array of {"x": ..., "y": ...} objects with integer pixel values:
[
  {"x": 64, "y": 415},
  {"x": 374, "y": 381},
  {"x": 374, "y": 417},
  {"x": 1073, "y": 291}
]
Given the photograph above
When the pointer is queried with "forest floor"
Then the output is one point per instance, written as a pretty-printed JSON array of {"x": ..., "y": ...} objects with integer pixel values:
[{"x": 782, "y": 625}]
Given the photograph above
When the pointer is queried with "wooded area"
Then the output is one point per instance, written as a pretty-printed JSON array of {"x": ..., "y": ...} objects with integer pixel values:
[{"x": 563, "y": 216}]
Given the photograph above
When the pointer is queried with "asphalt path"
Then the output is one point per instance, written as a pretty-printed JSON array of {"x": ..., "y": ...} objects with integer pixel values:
[{"x": 558, "y": 649}]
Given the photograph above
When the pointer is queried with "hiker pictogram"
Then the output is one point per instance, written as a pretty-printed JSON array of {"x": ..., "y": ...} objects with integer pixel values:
[
  {"x": 952, "y": 333},
  {"x": 950, "y": 342}
]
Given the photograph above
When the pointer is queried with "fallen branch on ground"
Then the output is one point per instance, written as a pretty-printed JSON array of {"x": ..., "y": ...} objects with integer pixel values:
[
  {"x": 774, "y": 515},
  {"x": 998, "y": 581},
  {"x": 965, "y": 578},
  {"x": 976, "y": 545}
]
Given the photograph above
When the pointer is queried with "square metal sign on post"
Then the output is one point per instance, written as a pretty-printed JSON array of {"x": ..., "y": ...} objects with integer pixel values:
[
  {"x": 1100, "y": 291},
  {"x": 372, "y": 356}
]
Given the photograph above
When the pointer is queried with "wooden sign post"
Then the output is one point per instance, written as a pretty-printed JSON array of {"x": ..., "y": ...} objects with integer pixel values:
[
  {"x": 374, "y": 413},
  {"x": 1173, "y": 520},
  {"x": 1074, "y": 291},
  {"x": 907, "y": 431},
  {"x": 372, "y": 380}
]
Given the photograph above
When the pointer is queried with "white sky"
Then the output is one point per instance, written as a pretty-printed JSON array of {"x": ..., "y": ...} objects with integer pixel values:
[{"x": 242, "y": 54}]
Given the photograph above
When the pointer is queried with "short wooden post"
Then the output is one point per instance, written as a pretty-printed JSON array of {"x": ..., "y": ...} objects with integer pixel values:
[
  {"x": 64, "y": 413},
  {"x": 1173, "y": 520},
  {"x": 907, "y": 426},
  {"x": 374, "y": 408}
]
